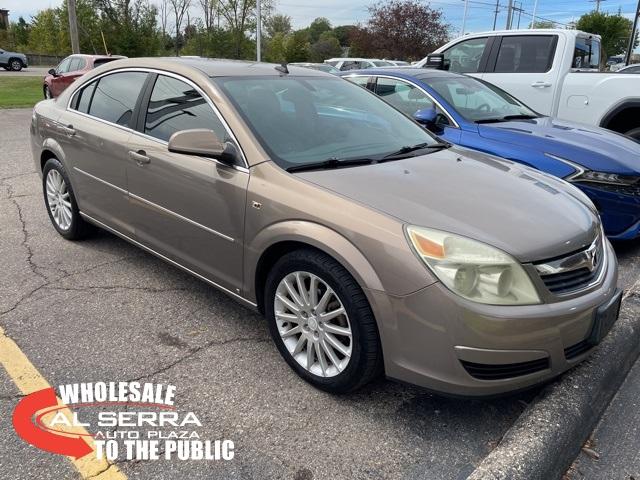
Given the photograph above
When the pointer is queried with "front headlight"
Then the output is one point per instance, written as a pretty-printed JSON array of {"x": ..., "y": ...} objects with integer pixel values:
[
  {"x": 473, "y": 270},
  {"x": 582, "y": 174}
]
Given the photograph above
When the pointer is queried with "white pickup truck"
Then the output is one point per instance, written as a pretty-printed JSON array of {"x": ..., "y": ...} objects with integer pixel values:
[{"x": 555, "y": 72}]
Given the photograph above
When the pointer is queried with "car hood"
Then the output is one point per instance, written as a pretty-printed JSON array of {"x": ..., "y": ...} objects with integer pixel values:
[
  {"x": 528, "y": 214},
  {"x": 592, "y": 147}
]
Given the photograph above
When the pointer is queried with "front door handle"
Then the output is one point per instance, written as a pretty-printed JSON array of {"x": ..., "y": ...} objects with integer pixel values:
[
  {"x": 140, "y": 157},
  {"x": 540, "y": 84}
]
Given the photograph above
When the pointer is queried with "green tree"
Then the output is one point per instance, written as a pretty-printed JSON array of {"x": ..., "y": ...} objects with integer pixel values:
[
  {"x": 88, "y": 27},
  {"x": 327, "y": 46},
  {"x": 614, "y": 30},
  {"x": 343, "y": 34},
  {"x": 45, "y": 34},
  {"x": 20, "y": 31},
  {"x": 277, "y": 23},
  {"x": 296, "y": 46},
  {"x": 276, "y": 51},
  {"x": 317, "y": 28},
  {"x": 130, "y": 27}
]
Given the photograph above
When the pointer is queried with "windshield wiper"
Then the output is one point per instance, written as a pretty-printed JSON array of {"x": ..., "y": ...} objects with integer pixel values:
[
  {"x": 330, "y": 163},
  {"x": 412, "y": 148},
  {"x": 506, "y": 118}
]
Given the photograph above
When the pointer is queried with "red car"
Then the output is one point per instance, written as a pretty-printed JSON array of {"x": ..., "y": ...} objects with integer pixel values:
[{"x": 71, "y": 68}]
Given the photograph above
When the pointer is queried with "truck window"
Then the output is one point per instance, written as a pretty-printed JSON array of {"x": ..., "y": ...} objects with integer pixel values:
[
  {"x": 586, "y": 55},
  {"x": 464, "y": 57},
  {"x": 526, "y": 54}
]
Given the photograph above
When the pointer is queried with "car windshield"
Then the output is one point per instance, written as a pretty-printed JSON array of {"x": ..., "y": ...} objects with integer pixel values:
[
  {"x": 479, "y": 101},
  {"x": 304, "y": 120}
]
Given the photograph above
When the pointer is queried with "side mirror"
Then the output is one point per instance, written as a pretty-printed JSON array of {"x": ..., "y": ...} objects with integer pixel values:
[
  {"x": 203, "y": 143},
  {"x": 426, "y": 117},
  {"x": 437, "y": 61},
  {"x": 52, "y": 71}
]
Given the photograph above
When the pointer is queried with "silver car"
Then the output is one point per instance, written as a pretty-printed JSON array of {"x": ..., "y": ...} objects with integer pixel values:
[{"x": 370, "y": 246}]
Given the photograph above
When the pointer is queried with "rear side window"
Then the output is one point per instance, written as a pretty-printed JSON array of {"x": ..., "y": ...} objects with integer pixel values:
[
  {"x": 526, "y": 54},
  {"x": 175, "y": 106},
  {"x": 586, "y": 55},
  {"x": 115, "y": 97},
  {"x": 83, "y": 98}
]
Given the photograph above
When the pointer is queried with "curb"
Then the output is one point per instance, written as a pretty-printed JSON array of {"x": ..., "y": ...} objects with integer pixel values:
[{"x": 545, "y": 440}]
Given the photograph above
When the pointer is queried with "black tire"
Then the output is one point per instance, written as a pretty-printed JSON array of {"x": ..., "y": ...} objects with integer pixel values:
[
  {"x": 47, "y": 92},
  {"x": 15, "y": 64},
  {"x": 78, "y": 228},
  {"x": 365, "y": 362},
  {"x": 634, "y": 133}
]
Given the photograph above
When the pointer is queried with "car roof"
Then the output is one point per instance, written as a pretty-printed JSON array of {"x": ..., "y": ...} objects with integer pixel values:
[
  {"x": 213, "y": 67},
  {"x": 406, "y": 72}
]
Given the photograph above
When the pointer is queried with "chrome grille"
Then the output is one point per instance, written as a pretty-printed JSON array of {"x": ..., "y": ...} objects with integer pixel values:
[{"x": 573, "y": 272}]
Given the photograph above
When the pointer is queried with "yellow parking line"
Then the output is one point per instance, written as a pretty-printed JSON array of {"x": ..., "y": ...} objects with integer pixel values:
[{"x": 29, "y": 380}]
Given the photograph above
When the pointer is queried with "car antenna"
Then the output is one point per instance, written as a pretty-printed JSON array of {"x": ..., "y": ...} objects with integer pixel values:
[{"x": 282, "y": 68}]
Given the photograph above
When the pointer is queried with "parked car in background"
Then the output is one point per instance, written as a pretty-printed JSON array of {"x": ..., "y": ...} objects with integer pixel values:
[
  {"x": 343, "y": 64},
  {"x": 475, "y": 114},
  {"x": 555, "y": 72},
  {"x": 630, "y": 69},
  {"x": 70, "y": 69},
  {"x": 323, "y": 67},
  {"x": 371, "y": 247},
  {"x": 398, "y": 63},
  {"x": 13, "y": 60}
]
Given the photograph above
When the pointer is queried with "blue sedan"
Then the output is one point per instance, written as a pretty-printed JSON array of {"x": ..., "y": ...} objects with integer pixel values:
[{"x": 475, "y": 114}]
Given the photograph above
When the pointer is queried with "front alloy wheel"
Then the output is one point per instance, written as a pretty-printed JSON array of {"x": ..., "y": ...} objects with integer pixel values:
[
  {"x": 313, "y": 324},
  {"x": 16, "y": 65},
  {"x": 47, "y": 92},
  {"x": 321, "y": 321}
]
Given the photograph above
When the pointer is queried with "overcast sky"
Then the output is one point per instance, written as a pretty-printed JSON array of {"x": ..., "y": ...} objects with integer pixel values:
[{"x": 340, "y": 12}]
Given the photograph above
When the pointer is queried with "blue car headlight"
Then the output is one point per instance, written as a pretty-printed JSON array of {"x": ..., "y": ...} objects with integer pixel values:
[{"x": 583, "y": 174}]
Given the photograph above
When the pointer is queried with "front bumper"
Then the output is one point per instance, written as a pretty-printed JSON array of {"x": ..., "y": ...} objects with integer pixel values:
[{"x": 429, "y": 337}]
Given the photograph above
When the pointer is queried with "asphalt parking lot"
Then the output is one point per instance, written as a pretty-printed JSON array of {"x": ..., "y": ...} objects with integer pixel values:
[{"x": 103, "y": 310}]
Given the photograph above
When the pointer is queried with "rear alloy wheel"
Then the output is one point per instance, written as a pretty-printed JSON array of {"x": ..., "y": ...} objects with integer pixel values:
[
  {"x": 15, "y": 65},
  {"x": 47, "y": 92},
  {"x": 60, "y": 201},
  {"x": 635, "y": 134},
  {"x": 321, "y": 322}
]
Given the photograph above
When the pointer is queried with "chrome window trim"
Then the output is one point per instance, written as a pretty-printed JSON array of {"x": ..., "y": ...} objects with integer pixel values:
[
  {"x": 168, "y": 260},
  {"x": 446, "y": 113},
  {"x": 155, "y": 205},
  {"x": 226, "y": 126}
]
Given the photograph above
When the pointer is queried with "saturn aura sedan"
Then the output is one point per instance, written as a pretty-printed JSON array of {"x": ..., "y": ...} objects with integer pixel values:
[
  {"x": 370, "y": 247},
  {"x": 475, "y": 114}
]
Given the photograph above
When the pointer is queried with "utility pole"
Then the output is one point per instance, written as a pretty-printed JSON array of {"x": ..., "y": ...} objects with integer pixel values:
[
  {"x": 597, "y": 2},
  {"x": 520, "y": 10},
  {"x": 258, "y": 31},
  {"x": 509, "y": 14},
  {"x": 634, "y": 31},
  {"x": 73, "y": 26},
  {"x": 495, "y": 15},
  {"x": 464, "y": 16},
  {"x": 535, "y": 10}
]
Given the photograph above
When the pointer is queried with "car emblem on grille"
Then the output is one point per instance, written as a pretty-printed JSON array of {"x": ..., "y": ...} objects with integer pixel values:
[{"x": 591, "y": 259}]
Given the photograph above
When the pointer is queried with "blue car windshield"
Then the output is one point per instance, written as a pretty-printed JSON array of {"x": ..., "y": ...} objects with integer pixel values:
[
  {"x": 478, "y": 101},
  {"x": 306, "y": 119}
]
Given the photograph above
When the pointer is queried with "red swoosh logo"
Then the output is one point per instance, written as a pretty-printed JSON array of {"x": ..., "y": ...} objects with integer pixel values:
[{"x": 22, "y": 422}]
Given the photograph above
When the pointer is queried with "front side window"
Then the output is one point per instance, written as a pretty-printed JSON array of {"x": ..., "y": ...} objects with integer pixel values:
[
  {"x": 404, "y": 96},
  {"x": 64, "y": 65},
  {"x": 176, "y": 105},
  {"x": 526, "y": 54},
  {"x": 479, "y": 101},
  {"x": 303, "y": 120},
  {"x": 75, "y": 64},
  {"x": 464, "y": 57},
  {"x": 586, "y": 55},
  {"x": 115, "y": 97}
]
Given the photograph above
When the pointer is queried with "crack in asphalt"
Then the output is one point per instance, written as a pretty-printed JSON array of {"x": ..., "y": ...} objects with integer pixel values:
[{"x": 194, "y": 351}]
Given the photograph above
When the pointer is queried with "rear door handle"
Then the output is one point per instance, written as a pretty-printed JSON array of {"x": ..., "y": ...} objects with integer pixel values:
[
  {"x": 540, "y": 84},
  {"x": 69, "y": 131},
  {"x": 140, "y": 157}
]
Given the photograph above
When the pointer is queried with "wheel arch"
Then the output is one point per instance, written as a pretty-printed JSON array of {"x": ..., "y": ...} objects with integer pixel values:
[
  {"x": 51, "y": 149},
  {"x": 276, "y": 240},
  {"x": 623, "y": 116}
]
